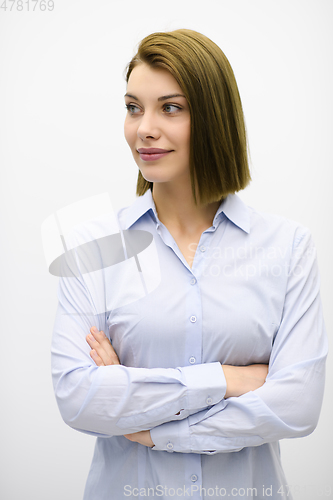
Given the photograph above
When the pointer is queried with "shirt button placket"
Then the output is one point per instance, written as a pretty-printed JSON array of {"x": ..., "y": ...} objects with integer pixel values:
[
  {"x": 194, "y": 357},
  {"x": 193, "y": 476}
]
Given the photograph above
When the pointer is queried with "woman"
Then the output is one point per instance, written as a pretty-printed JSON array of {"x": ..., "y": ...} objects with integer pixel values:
[{"x": 227, "y": 354}]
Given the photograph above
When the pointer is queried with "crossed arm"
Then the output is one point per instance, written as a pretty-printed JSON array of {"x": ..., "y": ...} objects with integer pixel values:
[
  {"x": 199, "y": 408},
  {"x": 240, "y": 379}
]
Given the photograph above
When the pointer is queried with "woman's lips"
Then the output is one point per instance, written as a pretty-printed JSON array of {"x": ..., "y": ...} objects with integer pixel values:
[{"x": 152, "y": 154}]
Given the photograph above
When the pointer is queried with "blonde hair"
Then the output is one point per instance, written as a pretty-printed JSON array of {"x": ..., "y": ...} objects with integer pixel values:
[{"x": 218, "y": 143}]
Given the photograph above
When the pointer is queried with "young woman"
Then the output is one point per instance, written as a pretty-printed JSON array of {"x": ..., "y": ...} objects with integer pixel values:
[{"x": 226, "y": 356}]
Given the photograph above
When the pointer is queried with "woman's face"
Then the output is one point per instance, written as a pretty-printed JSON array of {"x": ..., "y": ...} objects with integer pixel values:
[{"x": 157, "y": 125}]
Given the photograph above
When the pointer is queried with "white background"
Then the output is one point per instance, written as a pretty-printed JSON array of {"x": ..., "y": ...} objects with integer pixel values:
[{"x": 61, "y": 133}]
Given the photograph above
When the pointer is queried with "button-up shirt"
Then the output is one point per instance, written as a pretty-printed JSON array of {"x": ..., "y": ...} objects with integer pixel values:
[{"x": 251, "y": 296}]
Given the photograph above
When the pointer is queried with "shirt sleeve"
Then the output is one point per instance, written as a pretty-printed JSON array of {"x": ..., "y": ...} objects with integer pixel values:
[
  {"x": 289, "y": 403},
  {"x": 117, "y": 400}
]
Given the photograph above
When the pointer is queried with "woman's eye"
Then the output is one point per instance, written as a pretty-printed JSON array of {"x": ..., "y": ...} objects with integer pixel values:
[
  {"x": 171, "y": 108},
  {"x": 132, "y": 109},
  {"x": 168, "y": 108}
]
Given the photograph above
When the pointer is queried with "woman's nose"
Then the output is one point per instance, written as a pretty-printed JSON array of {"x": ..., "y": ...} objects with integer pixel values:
[{"x": 148, "y": 128}]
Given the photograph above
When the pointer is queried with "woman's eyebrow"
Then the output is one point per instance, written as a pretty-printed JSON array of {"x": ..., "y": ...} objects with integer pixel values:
[
  {"x": 165, "y": 97},
  {"x": 162, "y": 98}
]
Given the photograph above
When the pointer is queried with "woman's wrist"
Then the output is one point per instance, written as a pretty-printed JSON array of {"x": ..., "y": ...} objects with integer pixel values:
[{"x": 243, "y": 379}]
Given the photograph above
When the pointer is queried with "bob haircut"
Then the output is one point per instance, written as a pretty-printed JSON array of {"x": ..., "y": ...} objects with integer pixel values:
[{"x": 218, "y": 143}]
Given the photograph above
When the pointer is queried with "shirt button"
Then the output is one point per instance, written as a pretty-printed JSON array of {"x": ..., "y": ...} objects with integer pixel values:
[
  {"x": 193, "y": 281},
  {"x": 193, "y": 319},
  {"x": 209, "y": 401},
  {"x": 202, "y": 248},
  {"x": 194, "y": 478},
  {"x": 169, "y": 446},
  {"x": 192, "y": 360}
]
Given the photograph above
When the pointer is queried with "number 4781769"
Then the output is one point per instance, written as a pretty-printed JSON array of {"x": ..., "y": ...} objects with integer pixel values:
[
  {"x": 27, "y": 5},
  {"x": 306, "y": 490}
]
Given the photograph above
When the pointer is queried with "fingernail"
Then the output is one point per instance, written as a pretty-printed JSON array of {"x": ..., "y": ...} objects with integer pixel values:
[
  {"x": 94, "y": 329},
  {"x": 90, "y": 337}
]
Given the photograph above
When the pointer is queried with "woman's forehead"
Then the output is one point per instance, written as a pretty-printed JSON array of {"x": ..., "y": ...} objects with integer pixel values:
[{"x": 157, "y": 80}]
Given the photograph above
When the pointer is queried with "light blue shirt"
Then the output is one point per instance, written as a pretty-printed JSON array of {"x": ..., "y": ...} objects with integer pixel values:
[{"x": 251, "y": 296}]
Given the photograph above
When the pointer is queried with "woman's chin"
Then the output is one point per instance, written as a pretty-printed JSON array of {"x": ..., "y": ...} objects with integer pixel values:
[{"x": 150, "y": 177}]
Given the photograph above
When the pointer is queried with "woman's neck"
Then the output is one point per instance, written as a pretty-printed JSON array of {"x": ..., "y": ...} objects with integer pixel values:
[{"x": 176, "y": 208}]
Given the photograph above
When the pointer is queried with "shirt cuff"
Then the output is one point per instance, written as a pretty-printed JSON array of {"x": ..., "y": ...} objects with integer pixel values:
[
  {"x": 172, "y": 436},
  {"x": 206, "y": 385}
]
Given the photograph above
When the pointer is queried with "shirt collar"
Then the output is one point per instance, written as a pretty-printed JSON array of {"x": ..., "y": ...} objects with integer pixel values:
[
  {"x": 232, "y": 207},
  {"x": 236, "y": 211},
  {"x": 141, "y": 205}
]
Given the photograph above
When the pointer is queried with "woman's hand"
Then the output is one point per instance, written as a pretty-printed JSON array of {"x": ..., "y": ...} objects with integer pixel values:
[
  {"x": 102, "y": 351},
  {"x": 142, "y": 437},
  {"x": 103, "y": 354},
  {"x": 242, "y": 379}
]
